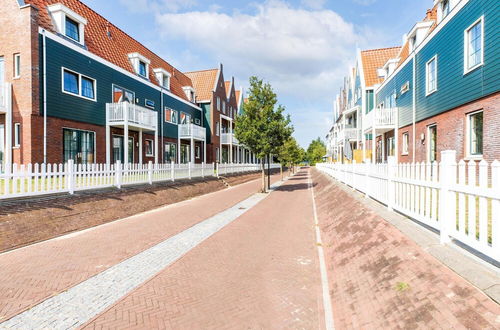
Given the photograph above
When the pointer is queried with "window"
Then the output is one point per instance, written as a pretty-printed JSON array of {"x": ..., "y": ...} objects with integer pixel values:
[
  {"x": 79, "y": 146},
  {"x": 143, "y": 69},
  {"x": 72, "y": 29},
  {"x": 406, "y": 140},
  {"x": 17, "y": 135},
  {"x": 185, "y": 154},
  {"x": 17, "y": 65},
  {"x": 431, "y": 76},
  {"x": 170, "y": 116},
  {"x": 197, "y": 121},
  {"x": 170, "y": 153},
  {"x": 185, "y": 118},
  {"x": 165, "y": 82},
  {"x": 391, "y": 146},
  {"x": 197, "y": 152},
  {"x": 217, "y": 154},
  {"x": 475, "y": 134},
  {"x": 122, "y": 95},
  {"x": 432, "y": 148},
  {"x": 163, "y": 77},
  {"x": 474, "y": 46},
  {"x": 445, "y": 8},
  {"x": 76, "y": 84},
  {"x": 223, "y": 107},
  {"x": 217, "y": 129},
  {"x": 149, "y": 148},
  {"x": 218, "y": 103}
]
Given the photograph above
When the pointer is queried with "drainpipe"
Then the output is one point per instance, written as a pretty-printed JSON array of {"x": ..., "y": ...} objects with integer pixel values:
[
  {"x": 414, "y": 107},
  {"x": 44, "y": 97},
  {"x": 161, "y": 125}
]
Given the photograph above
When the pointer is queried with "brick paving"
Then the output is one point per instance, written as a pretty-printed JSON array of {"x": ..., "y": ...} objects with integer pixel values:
[
  {"x": 380, "y": 279},
  {"x": 259, "y": 272},
  {"x": 37, "y": 272}
]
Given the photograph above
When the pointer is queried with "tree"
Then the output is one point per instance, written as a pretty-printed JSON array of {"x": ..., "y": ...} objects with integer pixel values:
[
  {"x": 315, "y": 151},
  {"x": 262, "y": 127},
  {"x": 291, "y": 153}
]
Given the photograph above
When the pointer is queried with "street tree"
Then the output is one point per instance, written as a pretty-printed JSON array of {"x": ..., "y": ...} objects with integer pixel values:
[
  {"x": 291, "y": 154},
  {"x": 263, "y": 128},
  {"x": 315, "y": 151}
]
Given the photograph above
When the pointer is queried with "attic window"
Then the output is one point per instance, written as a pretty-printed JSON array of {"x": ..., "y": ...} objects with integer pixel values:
[
  {"x": 68, "y": 23},
  {"x": 190, "y": 94},
  {"x": 163, "y": 77},
  {"x": 140, "y": 64}
]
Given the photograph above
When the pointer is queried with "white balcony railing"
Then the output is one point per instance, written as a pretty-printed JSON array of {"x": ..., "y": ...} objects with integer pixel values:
[
  {"x": 4, "y": 95},
  {"x": 226, "y": 138},
  {"x": 380, "y": 118},
  {"x": 188, "y": 131},
  {"x": 125, "y": 113}
]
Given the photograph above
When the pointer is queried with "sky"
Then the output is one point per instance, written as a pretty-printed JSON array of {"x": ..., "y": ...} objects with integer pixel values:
[{"x": 303, "y": 48}]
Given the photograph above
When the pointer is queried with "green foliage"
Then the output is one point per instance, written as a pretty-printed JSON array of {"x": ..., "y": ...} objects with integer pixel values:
[
  {"x": 291, "y": 153},
  {"x": 262, "y": 127},
  {"x": 315, "y": 151}
]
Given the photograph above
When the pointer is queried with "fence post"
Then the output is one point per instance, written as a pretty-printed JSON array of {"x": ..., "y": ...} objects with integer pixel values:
[
  {"x": 203, "y": 169},
  {"x": 353, "y": 166},
  {"x": 391, "y": 174},
  {"x": 495, "y": 206},
  {"x": 71, "y": 176},
  {"x": 217, "y": 170},
  {"x": 172, "y": 171},
  {"x": 118, "y": 174},
  {"x": 189, "y": 170},
  {"x": 366, "y": 167},
  {"x": 150, "y": 172},
  {"x": 447, "y": 208}
]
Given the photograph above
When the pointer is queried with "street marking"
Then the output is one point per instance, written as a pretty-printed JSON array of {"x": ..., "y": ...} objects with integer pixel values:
[
  {"x": 79, "y": 304},
  {"x": 327, "y": 303}
]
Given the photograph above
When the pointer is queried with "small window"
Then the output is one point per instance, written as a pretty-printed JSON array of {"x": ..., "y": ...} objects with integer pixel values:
[
  {"x": 88, "y": 88},
  {"x": 17, "y": 135},
  {"x": 197, "y": 152},
  {"x": 474, "y": 46},
  {"x": 218, "y": 103},
  {"x": 170, "y": 116},
  {"x": 217, "y": 129},
  {"x": 185, "y": 118},
  {"x": 431, "y": 76},
  {"x": 223, "y": 107},
  {"x": 142, "y": 69},
  {"x": 475, "y": 133},
  {"x": 149, "y": 148},
  {"x": 406, "y": 140},
  {"x": 17, "y": 65},
  {"x": 432, "y": 138},
  {"x": 217, "y": 155},
  {"x": 71, "y": 82},
  {"x": 166, "y": 82},
  {"x": 197, "y": 121},
  {"x": 75, "y": 83},
  {"x": 445, "y": 8},
  {"x": 72, "y": 29}
]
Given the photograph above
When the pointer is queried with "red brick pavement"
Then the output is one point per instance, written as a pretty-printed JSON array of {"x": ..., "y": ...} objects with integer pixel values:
[
  {"x": 32, "y": 274},
  {"x": 259, "y": 272},
  {"x": 380, "y": 279}
]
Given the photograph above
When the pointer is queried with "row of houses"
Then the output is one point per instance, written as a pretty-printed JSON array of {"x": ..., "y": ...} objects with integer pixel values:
[
  {"x": 75, "y": 86},
  {"x": 438, "y": 91}
]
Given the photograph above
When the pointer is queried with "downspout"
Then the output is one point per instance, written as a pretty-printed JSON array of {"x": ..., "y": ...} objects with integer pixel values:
[
  {"x": 44, "y": 97},
  {"x": 161, "y": 125},
  {"x": 414, "y": 108}
]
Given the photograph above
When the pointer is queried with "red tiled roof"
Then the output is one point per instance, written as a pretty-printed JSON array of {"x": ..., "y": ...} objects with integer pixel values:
[
  {"x": 237, "y": 94},
  {"x": 374, "y": 59},
  {"x": 114, "y": 48},
  {"x": 204, "y": 83}
]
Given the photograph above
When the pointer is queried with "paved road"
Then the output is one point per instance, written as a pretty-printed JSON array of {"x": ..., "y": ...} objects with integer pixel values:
[{"x": 245, "y": 261}]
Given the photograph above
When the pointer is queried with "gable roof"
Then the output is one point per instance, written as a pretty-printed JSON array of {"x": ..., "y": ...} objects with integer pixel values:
[
  {"x": 374, "y": 59},
  {"x": 112, "y": 44},
  {"x": 227, "y": 85},
  {"x": 204, "y": 82}
]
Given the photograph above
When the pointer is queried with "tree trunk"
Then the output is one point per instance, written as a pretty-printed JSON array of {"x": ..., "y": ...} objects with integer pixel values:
[
  {"x": 263, "y": 188},
  {"x": 281, "y": 171},
  {"x": 268, "y": 171}
]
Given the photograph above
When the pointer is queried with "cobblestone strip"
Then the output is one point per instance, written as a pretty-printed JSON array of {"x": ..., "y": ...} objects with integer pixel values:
[{"x": 84, "y": 301}]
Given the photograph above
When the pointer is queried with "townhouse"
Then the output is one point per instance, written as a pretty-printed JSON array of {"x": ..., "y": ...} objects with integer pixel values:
[
  {"x": 440, "y": 90},
  {"x": 75, "y": 86}
]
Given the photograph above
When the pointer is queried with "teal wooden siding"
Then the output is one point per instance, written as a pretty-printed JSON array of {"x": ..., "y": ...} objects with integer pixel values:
[
  {"x": 207, "y": 121},
  {"x": 369, "y": 101},
  {"x": 71, "y": 107},
  {"x": 453, "y": 87},
  {"x": 404, "y": 102}
]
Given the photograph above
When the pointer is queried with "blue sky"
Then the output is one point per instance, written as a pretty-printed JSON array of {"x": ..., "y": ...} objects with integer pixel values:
[{"x": 302, "y": 47}]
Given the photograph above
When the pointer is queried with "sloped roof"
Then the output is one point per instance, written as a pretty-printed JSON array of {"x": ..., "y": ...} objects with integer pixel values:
[
  {"x": 115, "y": 47},
  {"x": 237, "y": 94},
  {"x": 374, "y": 59},
  {"x": 204, "y": 83},
  {"x": 227, "y": 85}
]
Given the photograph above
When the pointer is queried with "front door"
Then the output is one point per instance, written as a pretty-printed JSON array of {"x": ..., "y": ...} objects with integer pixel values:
[{"x": 118, "y": 149}]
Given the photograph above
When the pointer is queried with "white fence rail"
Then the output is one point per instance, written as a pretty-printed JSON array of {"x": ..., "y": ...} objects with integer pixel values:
[
  {"x": 40, "y": 179},
  {"x": 461, "y": 201}
]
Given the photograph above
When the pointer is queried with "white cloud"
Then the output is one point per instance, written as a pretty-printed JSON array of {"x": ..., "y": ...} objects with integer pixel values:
[
  {"x": 157, "y": 5},
  {"x": 313, "y": 4}
]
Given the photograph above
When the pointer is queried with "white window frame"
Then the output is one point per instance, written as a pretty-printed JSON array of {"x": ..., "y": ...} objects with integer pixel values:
[
  {"x": 176, "y": 116},
  {"x": 188, "y": 118},
  {"x": 163, "y": 75},
  {"x": 468, "y": 69},
  {"x": 17, "y": 66},
  {"x": 79, "y": 85},
  {"x": 218, "y": 103},
  {"x": 135, "y": 59},
  {"x": 152, "y": 153},
  {"x": 59, "y": 13},
  {"x": 217, "y": 154},
  {"x": 429, "y": 141},
  {"x": 428, "y": 91},
  {"x": 217, "y": 128},
  {"x": 405, "y": 139},
  {"x": 468, "y": 136},
  {"x": 197, "y": 152},
  {"x": 17, "y": 135}
]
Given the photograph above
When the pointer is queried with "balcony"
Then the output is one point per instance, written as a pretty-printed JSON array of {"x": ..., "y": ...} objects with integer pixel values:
[
  {"x": 351, "y": 134},
  {"x": 382, "y": 120},
  {"x": 228, "y": 138},
  {"x": 192, "y": 131},
  {"x": 121, "y": 114}
]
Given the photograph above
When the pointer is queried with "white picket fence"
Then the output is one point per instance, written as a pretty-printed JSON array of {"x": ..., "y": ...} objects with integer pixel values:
[
  {"x": 460, "y": 200},
  {"x": 41, "y": 179}
]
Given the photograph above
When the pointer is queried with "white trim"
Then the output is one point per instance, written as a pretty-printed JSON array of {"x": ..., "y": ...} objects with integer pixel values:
[
  {"x": 83, "y": 130},
  {"x": 428, "y": 138},
  {"x": 59, "y": 13},
  {"x": 424, "y": 42},
  {"x": 226, "y": 117},
  {"x": 176, "y": 116},
  {"x": 17, "y": 135},
  {"x": 79, "y": 85},
  {"x": 115, "y": 67},
  {"x": 427, "y": 90},
  {"x": 219, "y": 72},
  {"x": 468, "y": 136},
  {"x": 17, "y": 66},
  {"x": 161, "y": 74},
  {"x": 403, "y": 151},
  {"x": 153, "y": 148},
  {"x": 466, "y": 46}
]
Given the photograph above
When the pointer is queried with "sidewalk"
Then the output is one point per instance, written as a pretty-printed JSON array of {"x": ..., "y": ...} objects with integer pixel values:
[{"x": 381, "y": 279}]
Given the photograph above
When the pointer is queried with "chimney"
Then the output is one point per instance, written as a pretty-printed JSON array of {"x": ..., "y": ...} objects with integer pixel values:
[{"x": 428, "y": 15}]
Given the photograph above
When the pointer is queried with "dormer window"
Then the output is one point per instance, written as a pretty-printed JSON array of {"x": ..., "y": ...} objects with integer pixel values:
[
  {"x": 68, "y": 23},
  {"x": 140, "y": 64},
  {"x": 418, "y": 33},
  {"x": 445, "y": 8},
  {"x": 190, "y": 94},
  {"x": 163, "y": 77}
]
